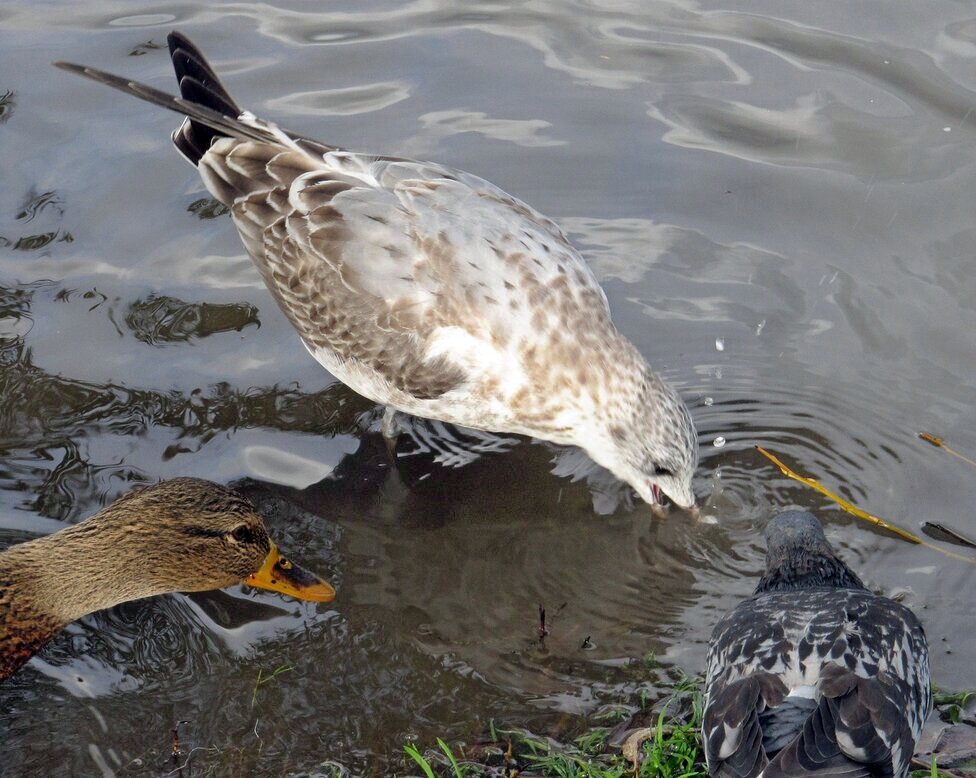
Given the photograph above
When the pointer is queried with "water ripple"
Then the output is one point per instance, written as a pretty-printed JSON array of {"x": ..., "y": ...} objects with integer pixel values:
[{"x": 792, "y": 183}]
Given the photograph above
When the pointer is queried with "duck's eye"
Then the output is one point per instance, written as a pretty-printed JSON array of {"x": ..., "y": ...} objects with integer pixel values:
[
  {"x": 242, "y": 534},
  {"x": 660, "y": 470}
]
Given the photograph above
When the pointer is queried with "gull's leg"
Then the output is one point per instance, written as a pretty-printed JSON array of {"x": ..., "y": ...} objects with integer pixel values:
[{"x": 391, "y": 430}]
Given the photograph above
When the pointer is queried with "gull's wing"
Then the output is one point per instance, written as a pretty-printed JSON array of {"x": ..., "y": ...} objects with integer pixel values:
[{"x": 374, "y": 259}]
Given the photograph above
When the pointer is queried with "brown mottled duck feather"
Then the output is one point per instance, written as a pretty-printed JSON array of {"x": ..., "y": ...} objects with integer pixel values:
[{"x": 185, "y": 534}]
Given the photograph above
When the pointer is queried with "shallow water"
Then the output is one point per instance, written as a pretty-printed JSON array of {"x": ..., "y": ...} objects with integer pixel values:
[{"x": 793, "y": 181}]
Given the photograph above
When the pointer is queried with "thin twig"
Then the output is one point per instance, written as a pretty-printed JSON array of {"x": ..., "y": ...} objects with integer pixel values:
[
  {"x": 854, "y": 510},
  {"x": 186, "y": 763},
  {"x": 849, "y": 507},
  {"x": 940, "y": 443}
]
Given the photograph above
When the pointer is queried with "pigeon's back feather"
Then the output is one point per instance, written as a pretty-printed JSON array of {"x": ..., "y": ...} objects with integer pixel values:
[{"x": 855, "y": 694}]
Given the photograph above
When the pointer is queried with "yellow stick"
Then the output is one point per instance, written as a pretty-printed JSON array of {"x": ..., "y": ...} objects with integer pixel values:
[
  {"x": 853, "y": 509},
  {"x": 940, "y": 443},
  {"x": 850, "y": 508}
]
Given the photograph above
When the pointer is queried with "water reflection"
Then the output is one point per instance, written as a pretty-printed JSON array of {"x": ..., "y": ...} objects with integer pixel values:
[
  {"x": 793, "y": 182},
  {"x": 15, "y": 316},
  {"x": 48, "y": 209},
  {"x": 208, "y": 208},
  {"x": 498, "y": 554},
  {"x": 146, "y": 47},
  {"x": 163, "y": 319},
  {"x": 8, "y": 102},
  {"x": 364, "y": 98}
]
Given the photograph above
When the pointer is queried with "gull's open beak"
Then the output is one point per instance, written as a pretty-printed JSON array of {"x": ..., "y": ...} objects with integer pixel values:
[{"x": 277, "y": 574}]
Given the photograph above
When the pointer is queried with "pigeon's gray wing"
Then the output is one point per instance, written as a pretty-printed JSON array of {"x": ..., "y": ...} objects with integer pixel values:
[
  {"x": 855, "y": 673},
  {"x": 858, "y": 729},
  {"x": 732, "y": 732}
]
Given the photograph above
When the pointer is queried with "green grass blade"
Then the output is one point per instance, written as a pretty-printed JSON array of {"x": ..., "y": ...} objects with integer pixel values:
[
  {"x": 413, "y": 753},
  {"x": 447, "y": 750}
]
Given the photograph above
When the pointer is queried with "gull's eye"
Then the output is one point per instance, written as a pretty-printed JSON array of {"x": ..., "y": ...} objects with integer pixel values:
[
  {"x": 242, "y": 534},
  {"x": 662, "y": 471}
]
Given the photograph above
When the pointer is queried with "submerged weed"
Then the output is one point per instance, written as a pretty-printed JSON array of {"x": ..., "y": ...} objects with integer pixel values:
[{"x": 261, "y": 681}]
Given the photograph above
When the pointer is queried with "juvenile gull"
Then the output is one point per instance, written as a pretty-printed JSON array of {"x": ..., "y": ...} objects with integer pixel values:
[
  {"x": 814, "y": 674},
  {"x": 431, "y": 290}
]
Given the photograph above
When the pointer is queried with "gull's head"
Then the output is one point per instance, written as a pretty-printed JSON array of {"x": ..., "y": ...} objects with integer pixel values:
[{"x": 651, "y": 443}]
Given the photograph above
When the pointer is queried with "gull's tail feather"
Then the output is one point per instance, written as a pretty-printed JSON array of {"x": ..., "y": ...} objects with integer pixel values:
[
  {"x": 199, "y": 85},
  {"x": 220, "y": 124},
  {"x": 213, "y": 116},
  {"x": 210, "y": 111}
]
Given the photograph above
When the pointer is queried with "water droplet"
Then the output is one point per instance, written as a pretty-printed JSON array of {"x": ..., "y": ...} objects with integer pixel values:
[
  {"x": 720, "y": 344},
  {"x": 718, "y": 442},
  {"x": 947, "y": 129},
  {"x": 709, "y": 402}
]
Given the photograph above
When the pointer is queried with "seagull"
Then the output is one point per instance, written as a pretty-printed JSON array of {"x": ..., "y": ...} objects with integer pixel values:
[
  {"x": 814, "y": 675},
  {"x": 429, "y": 290}
]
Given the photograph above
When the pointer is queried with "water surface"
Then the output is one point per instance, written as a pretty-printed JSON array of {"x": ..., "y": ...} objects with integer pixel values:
[{"x": 778, "y": 199}]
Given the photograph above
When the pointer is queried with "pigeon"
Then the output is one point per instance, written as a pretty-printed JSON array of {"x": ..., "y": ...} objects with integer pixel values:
[{"x": 814, "y": 675}]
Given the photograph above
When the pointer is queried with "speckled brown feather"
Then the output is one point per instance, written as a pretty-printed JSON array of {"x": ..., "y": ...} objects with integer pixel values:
[
  {"x": 303, "y": 227},
  {"x": 24, "y": 628},
  {"x": 431, "y": 290},
  {"x": 300, "y": 253}
]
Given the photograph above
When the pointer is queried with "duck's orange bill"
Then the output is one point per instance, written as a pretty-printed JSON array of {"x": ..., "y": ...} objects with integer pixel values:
[{"x": 277, "y": 574}]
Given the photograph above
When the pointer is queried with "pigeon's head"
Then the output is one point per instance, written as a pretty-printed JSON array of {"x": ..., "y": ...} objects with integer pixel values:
[
  {"x": 793, "y": 532},
  {"x": 798, "y": 556}
]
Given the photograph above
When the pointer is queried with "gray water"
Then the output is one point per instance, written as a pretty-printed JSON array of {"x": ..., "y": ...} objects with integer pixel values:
[{"x": 792, "y": 181}]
